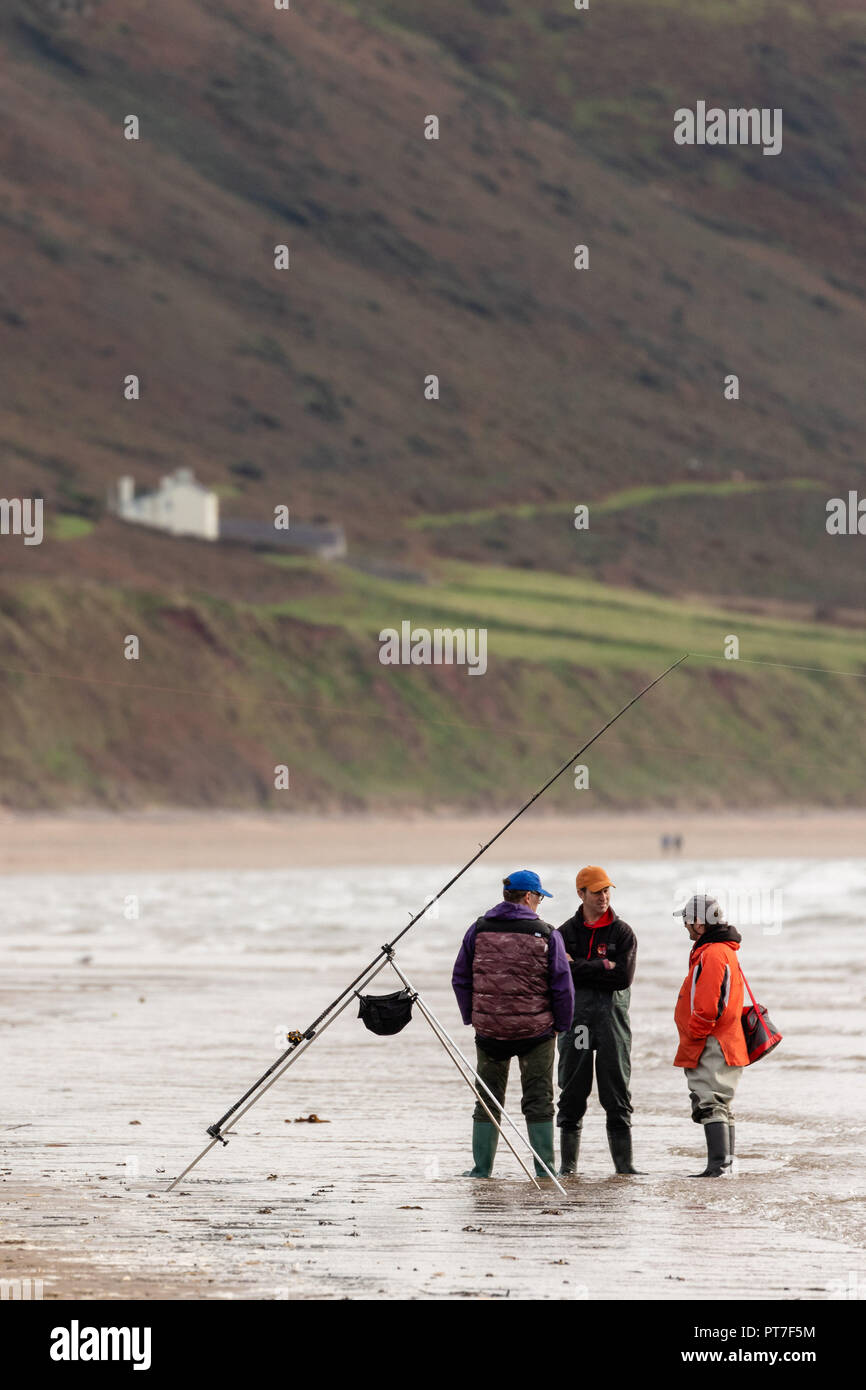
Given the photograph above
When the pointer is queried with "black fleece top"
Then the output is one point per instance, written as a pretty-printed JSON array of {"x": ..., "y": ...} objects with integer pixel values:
[
  {"x": 722, "y": 931},
  {"x": 589, "y": 947}
]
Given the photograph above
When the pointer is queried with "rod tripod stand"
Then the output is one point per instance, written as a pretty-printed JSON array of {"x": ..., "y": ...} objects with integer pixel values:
[
  {"x": 474, "y": 1081},
  {"x": 470, "y": 1076}
]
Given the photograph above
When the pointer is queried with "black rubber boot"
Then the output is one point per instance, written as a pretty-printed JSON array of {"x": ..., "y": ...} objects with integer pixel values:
[
  {"x": 485, "y": 1137},
  {"x": 731, "y": 1133},
  {"x": 569, "y": 1147},
  {"x": 619, "y": 1142},
  {"x": 719, "y": 1160}
]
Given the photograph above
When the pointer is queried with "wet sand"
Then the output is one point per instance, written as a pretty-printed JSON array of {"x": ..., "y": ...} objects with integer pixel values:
[
  {"x": 168, "y": 840},
  {"x": 126, "y": 1038},
  {"x": 120, "y": 1067}
]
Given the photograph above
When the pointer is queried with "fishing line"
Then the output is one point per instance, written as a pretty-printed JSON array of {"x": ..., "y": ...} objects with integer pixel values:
[
  {"x": 782, "y": 665},
  {"x": 199, "y": 693},
  {"x": 422, "y": 721}
]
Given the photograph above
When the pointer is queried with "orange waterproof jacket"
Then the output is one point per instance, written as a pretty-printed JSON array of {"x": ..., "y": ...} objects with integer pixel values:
[{"x": 710, "y": 1004}]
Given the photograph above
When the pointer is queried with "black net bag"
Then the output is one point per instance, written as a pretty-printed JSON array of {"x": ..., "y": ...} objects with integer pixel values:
[{"x": 386, "y": 1013}]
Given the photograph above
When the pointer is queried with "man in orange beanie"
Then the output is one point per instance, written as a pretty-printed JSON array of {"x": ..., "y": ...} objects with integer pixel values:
[{"x": 602, "y": 950}]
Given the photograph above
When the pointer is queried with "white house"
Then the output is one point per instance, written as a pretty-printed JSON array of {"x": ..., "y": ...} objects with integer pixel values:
[{"x": 180, "y": 506}]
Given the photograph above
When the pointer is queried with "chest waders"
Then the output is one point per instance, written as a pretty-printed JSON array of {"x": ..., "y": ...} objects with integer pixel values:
[{"x": 599, "y": 1040}]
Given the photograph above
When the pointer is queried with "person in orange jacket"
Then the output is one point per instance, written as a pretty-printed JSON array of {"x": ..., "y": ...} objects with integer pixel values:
[{"x": 708, "y": 1016}]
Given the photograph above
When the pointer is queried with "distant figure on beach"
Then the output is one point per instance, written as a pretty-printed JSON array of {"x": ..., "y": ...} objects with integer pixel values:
[
  {"x": 512, "y": 982},
  {"x": 712, "y": 1048},
  {"x": 671, "y": 843},
  {"x": 602, "y": 951}
]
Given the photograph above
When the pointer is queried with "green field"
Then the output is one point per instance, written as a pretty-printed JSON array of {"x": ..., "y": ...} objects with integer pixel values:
[
  {"x": 545, "y": 618},
  {"x": 633, "y": 497}
]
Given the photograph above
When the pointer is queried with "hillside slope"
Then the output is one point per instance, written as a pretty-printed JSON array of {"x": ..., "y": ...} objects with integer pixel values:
[
  {"x": 411, "y": 257},
  {"x": 613, "y": 76},
  {"x": 558, "y": 387}
]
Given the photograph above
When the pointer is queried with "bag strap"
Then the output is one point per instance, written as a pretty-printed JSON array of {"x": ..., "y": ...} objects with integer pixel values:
[{"x": 751, "y": 995}]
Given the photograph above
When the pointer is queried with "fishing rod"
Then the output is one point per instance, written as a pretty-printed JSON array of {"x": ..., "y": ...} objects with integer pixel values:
[{"x": 300, "y": 1041}]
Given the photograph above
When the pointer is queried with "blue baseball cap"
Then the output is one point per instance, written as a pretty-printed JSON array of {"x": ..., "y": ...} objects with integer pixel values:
[{"x": 525, "y": 881}]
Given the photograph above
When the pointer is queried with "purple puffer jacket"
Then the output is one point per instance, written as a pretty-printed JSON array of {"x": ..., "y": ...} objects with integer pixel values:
[{"x": 511, "y": 977}]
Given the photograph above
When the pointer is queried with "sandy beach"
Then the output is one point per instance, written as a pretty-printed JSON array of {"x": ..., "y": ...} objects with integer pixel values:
[
  {"x": 369, "y": 1203},
  {"x": 176, "y": 840},
  {"x": 128, "y": 1034}
]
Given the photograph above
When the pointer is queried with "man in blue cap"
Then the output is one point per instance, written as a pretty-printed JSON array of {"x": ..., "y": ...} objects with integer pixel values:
[{"x": 513, "y": 983}]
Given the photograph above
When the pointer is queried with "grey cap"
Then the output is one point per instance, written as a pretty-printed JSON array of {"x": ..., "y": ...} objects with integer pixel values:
[{"x": 702, "y": 909}]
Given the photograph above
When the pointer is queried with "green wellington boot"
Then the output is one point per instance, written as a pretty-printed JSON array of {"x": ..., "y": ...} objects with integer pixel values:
[
  {"x": 541, "y": 1138},
  {"x": 569, "y": 1148},
  {"x": 485, "y": 1137}
]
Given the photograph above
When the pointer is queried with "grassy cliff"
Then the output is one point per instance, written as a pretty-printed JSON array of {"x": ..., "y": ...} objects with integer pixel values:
[{"x": 224, "y": 691}]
